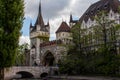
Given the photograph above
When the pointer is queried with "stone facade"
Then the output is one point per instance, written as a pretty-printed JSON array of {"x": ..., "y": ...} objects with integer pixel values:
[
  {"x": 44, "y": 52},
  {"x": 88, "y": 21},
  {"x": 13, "y": 72}
]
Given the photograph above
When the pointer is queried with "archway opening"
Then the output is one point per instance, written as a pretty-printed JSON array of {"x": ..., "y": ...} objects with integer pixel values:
[
  {"x": 56, "y": 73},
  {"x": 25, "y": 74},
  {"x": 43, "y": 75},
  {"x": 49, "y": 59}
]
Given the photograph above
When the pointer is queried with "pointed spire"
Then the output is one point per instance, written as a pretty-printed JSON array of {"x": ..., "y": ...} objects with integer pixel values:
[
  {"x": 48, "y": 23},
  {"x": 30, "y": 24},
  {"x": 71, "y": 19},
  {"x": 40, "y": 7},
  {"x": 39, "y": 20}
]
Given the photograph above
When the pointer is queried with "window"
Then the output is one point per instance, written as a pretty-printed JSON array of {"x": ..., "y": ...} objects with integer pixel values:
[
  {"x": 98, "y": 9},
  {"x": 91, "y": 12},
  {"x": 59, "y": 34},
  {"x": 111, "y": 14},
  {"x": 63, "y": 34},
  {"x": 105, "y": 6}
]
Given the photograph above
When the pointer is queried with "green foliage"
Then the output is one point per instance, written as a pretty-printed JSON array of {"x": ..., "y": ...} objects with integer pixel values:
[
  {"x": 20, "y": 56},
  {"x": 101, "y": 61},
  {"x": 71, "y": 65},
  {"x": 11, "y": 20}
]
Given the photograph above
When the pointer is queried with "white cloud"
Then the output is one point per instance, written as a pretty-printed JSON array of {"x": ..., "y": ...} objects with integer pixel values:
[
  {"x": 24, "y": 39},
  {"x": 52, "y": 37}
]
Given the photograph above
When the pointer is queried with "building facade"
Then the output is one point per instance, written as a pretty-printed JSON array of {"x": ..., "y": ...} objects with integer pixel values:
[
  {"x": 48, "y": 53},
  {"x": 98, "y": 25},
  {"x": 44, "y": 52}
]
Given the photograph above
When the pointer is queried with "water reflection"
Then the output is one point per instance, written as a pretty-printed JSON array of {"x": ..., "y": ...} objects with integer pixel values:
[
  {"x": 27, "y": 79},
  {"x": 50, "y": 79},
  {"x": 34, "y": 79}
]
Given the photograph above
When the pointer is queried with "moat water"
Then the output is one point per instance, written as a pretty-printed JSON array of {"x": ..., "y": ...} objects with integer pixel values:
[
  {"x": 40, "y": 79},
  {"x": 50, "y": 79}
]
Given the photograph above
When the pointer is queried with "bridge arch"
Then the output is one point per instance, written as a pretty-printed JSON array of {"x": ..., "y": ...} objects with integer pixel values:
[
  {"x": 48, "y": 58},
  {"x": 44, "y": 74},
  {"x": 25, "y": 74}
]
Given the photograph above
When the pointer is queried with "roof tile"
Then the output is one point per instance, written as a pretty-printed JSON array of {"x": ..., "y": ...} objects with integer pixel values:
[
  {"x": 106, "y": 5},
  {"x": 63, "y": 28}
]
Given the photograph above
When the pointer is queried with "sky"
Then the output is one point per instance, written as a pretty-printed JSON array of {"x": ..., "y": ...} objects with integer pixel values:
[{"x": 54, "y": 11}]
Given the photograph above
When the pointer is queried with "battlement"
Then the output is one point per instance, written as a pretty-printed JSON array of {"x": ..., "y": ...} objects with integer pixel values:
[
  {"x": 50, "y": 43},
  {"x": 39, "y": 34}
]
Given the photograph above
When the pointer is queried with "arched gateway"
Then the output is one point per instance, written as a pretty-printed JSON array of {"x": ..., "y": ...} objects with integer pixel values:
[{"x": 48, "y": 59}]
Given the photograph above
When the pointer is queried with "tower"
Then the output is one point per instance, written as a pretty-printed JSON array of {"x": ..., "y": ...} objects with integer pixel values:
[
  {"x": 63, "y": 33},
  {"x": 72, "y": 22},
  {"x": 39, "y": 33}
]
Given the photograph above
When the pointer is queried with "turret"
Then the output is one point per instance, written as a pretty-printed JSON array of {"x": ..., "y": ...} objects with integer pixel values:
[
  {"x": 31, "y": 27},
  {"x": 38, "y": 35},
  {"x": 48, "y": 26},
  {"x": 63, "y": 33},
  {"x": 71, "y": 21},
  {"x": 39, "y": 22}
]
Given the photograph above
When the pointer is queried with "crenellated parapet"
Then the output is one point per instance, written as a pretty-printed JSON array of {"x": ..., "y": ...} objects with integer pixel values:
[
  {"x": 39, "y": 34},
  {"x": 50, "y": 43}
]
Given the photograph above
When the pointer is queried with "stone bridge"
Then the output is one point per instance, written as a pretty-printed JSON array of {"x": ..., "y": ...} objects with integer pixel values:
[{"x": 28, "y": 71}]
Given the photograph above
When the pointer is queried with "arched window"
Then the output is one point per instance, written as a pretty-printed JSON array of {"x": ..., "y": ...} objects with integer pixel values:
[{"x": 63, "y": 34}]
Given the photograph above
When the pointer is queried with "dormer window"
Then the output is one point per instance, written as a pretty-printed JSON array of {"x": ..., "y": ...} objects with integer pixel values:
[
  {"x": 91, "y": 12},
  {"x": 98, "y": 9},
  {"x": 105, "y": 6}
]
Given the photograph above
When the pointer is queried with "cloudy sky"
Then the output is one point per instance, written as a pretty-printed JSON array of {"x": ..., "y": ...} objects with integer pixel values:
[{"x": 55, "y": 11}]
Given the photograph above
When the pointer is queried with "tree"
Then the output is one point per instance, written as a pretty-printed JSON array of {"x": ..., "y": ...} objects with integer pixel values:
[
  {"x": 20, "y": 57},
  {"x": 73, "y": 62},
  {"x": 105, "y": 29},
  {"x": 82, "y": 59},
  {"x": 11, "y": 20},
  {"x": 105, "y": 59}
]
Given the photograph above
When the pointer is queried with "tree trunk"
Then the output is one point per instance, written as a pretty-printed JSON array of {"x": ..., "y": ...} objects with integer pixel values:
[{"x": 1, "y": 73}]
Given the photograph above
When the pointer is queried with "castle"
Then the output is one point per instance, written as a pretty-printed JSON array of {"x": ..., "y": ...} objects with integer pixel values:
[
  {"x": 48, "y": 53},
  {"x": 43, "y": 51}
]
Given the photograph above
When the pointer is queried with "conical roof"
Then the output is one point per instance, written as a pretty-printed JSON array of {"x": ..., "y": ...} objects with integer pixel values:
[
  {"x": 63, "y": 28},
  {"x": 39, "y": 20}
]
